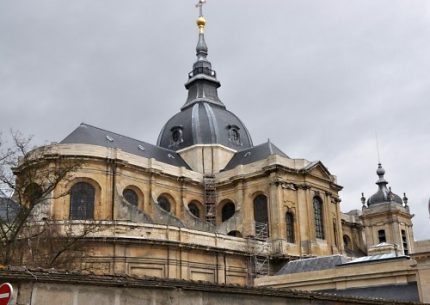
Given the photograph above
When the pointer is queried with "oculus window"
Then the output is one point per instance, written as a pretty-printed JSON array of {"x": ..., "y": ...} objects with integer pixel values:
[
  {"x": 164, "y": 203},
  {"x": 130, "y": 196},
  {"x": 194, "y": 208}
]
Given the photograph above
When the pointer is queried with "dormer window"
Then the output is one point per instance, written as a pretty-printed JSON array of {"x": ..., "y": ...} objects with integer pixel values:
[
  {"x": 177, "y": 136},
  {"x": 233, "y": 134}
]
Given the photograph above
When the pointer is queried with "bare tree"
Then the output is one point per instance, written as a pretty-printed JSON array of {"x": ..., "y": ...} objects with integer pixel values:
[{"x": 30, "y": 177}]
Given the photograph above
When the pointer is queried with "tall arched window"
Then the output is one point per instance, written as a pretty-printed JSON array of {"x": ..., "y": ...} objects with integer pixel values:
[
  {"x": 289, "y": 221},
  {"x": 318, "y": 217},
  {"x": 193, "y": 206},
  {"x": 227, "y": 211},
  {"x": 164, "y": 203},
  {"x": 261, "y": 216},
  {"x": 381, "y": 236},
  {"x": 347, "y": 242},
  {"x": 82, "y": 196},
  {"x": 130, "y": 196},
  {"x": 405, "y": 243}
]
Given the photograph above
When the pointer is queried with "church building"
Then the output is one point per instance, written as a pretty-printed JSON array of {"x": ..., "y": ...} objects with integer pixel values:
[{"x": 207, "y": 204}]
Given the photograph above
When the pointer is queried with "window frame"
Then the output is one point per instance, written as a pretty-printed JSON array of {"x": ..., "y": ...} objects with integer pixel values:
[
  {"x": 82, "y": 208},
  {"x": 318, "y": 217}
]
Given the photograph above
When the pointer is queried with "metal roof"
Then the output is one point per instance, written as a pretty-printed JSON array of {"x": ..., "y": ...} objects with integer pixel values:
[
  {"x": 383, "y": 194},
  {"x": 312, "y": 264},
  {"x": 204, "y": 123},
  {"x": 379, "y": 257},
  {"x": 401, "y": 292},
  {"x": 87, "y": 134}
]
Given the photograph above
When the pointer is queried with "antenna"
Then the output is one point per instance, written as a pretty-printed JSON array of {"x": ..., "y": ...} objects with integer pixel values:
[{"x": 377, "y": 147}]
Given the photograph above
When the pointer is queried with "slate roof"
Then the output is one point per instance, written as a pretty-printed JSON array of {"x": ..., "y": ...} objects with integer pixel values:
[
  {"x": 408, "y": 292},
  {"x": 204, "y": 123},
  {"x": 312, "y": 264},
  {"x": 87, "y": 134},
  {"x": 253, "y": 154}
]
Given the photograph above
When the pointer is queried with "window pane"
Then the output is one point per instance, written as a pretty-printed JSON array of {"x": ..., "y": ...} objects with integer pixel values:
[
  {"x": 289, "y": 218},
  {"x": 82, "y": 197},
  {"x": 227, "y": 211},
  {"x": 164, "y": 203},
  {"x": 318, "y": 215},
  {"x": 194, "y": 209},
  {"x": 130, "y": 196},
  {"x": 381, "y": 236}
]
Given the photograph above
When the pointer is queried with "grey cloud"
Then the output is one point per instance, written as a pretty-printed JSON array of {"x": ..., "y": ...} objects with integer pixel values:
[{"x": 316, "y": 77}]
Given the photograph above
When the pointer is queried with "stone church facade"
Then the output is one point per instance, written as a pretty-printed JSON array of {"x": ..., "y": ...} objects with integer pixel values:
[{"x": 207, "y": 204}]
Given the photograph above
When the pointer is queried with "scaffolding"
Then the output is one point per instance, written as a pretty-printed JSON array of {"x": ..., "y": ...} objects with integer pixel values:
[
  {"x": 260, "y": 255},
  {"x": 210, "y": 197}
]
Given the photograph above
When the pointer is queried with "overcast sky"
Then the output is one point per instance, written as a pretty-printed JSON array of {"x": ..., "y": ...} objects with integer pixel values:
[{"x": 319, "y": 78}]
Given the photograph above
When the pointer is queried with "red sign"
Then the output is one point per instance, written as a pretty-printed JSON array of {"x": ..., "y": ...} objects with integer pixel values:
[{"x": 5, "y": 293}]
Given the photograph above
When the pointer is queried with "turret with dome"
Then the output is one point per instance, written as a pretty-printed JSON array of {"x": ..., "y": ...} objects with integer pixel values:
[{"x": 383, "y": 194}]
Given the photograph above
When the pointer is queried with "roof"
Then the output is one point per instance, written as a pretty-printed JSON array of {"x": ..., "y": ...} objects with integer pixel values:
[
  {"x": 204, "y": 122},
  {"x": 403, "y": 292},
  {"x": 383, "y": 194},
  {"x": 87, "y": 134},
  {"x": 312, "y": 264},
  {"x": 379, "y": 257},
  {"x": 253, "y": 154},
  {"x": 203, "y": 118}
]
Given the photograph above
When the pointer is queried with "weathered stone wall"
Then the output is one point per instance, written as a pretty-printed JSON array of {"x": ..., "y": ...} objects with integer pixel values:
[{"x": 42, "y": 288}]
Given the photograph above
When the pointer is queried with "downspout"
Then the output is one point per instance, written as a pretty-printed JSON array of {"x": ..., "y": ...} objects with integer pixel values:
[{"x": 113, "y": 187}]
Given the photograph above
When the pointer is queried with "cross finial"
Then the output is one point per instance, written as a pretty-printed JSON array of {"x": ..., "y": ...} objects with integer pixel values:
[{"x": 200, "y": 6}]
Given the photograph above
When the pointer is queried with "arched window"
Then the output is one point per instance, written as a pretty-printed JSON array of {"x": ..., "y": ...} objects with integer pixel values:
[
  {"x": 82, "y": 196},
  {"x": 227, "y": 211},
  {"x": 289, "y": 221},
  {"x": 318, "y": 217},
  {"x": 381, "y": 236},
  {"x": 193, "y": 206},
  {"x": 33, "y": 192},
  {"x": 130, "y": 196},
  {"x": 164, "y": 203},
  {"x": 261, "y": 216},
  {"x": 405, "y": 243},
  {"x": 347, "y": 242}
]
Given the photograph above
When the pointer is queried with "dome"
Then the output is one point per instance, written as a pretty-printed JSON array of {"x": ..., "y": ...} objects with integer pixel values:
[
  {"x": 204, "y": 122},
  {"x": 203, "y": 118},
  {"x": 383, "y": 194}
]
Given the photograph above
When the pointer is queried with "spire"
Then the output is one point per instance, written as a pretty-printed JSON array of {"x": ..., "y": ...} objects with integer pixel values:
[
  {"x": 202, "y": 83},
  {"x": 202, "y": 48}
]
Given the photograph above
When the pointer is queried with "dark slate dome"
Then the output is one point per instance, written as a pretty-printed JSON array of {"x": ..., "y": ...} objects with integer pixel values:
[
  {"x": 383, "y": 194},
  {"x": 204, "y": 123},
  {"x": 203, "y": 119}
]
